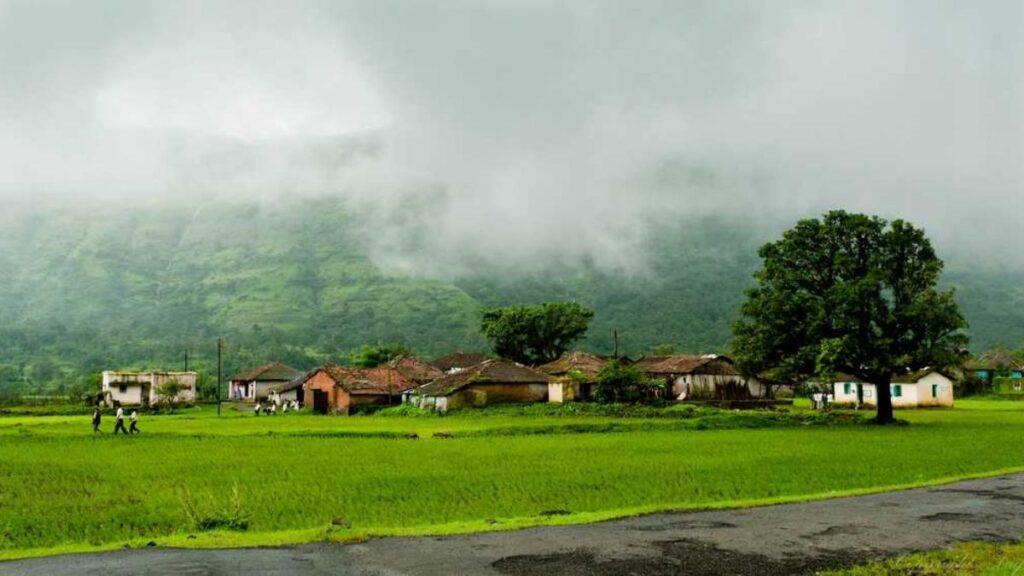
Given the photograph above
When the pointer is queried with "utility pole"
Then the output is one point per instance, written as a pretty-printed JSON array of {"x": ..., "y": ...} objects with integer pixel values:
[
  {"x": 615, "y": 336},
  {"x": 220, "y": 350}
]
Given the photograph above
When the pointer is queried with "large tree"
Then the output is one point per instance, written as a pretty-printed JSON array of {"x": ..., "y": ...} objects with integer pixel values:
[
  {"x": 849, "y": 293},
  {"x": 535, "y": 334}
]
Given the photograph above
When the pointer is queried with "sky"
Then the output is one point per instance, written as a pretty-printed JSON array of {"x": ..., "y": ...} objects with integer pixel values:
[{"x": 527, "y": 130}]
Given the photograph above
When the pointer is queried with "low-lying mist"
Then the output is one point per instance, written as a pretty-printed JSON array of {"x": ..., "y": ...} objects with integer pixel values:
[{"x": 524, "y": 133}]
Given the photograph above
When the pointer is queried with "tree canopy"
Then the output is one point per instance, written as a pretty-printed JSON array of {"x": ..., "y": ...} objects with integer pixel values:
[
  {"x": 849, "y": 293},
  {"x": 535, "y": 334},
  {"x": 373, "y": 356}
]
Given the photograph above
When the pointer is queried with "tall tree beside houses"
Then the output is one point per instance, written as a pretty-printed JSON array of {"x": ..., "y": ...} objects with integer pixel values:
[
  {"x": 538, "y": 334},
  {"x": 849, "y": 293}
]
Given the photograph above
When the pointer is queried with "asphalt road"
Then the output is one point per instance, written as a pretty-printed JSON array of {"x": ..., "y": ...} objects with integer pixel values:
[{"x": 787, "y": 539}]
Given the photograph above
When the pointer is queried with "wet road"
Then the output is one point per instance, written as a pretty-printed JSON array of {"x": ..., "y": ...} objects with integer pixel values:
[{"x": 785, "y": 539}]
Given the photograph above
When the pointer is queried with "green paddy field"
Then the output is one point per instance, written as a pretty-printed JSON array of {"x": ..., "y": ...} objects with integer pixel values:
[{"x": 193, "y": 479}]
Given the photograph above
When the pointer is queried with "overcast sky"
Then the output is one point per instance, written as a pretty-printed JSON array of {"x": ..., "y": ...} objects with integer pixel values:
[{"x": 527, "y": 128}]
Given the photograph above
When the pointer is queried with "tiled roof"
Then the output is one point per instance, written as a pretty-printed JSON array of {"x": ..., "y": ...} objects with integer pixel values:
[
  {"x": 415, "y": 369},
  {"x": 494, "y": 371},
  {"x": 273, "y": 372},
  {"x": 458, "y": 359},
  {"x": 380, "y": 380},
  {"x": 584, "y": 363}
]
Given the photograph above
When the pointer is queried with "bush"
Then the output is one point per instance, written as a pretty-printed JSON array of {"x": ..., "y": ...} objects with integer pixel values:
[{"x": 620, "y": 382}]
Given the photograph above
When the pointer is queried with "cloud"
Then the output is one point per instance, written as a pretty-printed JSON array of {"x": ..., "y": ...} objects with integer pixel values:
[{"x": 529, "y": 131}]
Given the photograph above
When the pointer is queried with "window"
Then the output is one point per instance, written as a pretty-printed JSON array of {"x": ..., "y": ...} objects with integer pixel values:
[
  {"x": 897, "y": 390},
  {"x": 122, "y": 388},
  {"x": 935, "y": 390},
  {"x": 846, "y": 388}
]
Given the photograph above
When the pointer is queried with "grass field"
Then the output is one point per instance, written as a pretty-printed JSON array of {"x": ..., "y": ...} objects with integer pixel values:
[
  {"x": 969, "y": 559},
  {"x": 190, "y": 478}
]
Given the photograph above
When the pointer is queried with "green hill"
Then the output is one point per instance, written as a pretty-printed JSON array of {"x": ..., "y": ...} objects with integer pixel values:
[{"x": 94, "y": 286}]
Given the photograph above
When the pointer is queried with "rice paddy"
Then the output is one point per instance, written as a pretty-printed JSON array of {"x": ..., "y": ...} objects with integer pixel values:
[{"x": 193, "y": 479}]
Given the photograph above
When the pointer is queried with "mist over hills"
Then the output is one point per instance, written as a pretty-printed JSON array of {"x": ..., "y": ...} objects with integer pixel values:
[{"x": 96, "y": 285}]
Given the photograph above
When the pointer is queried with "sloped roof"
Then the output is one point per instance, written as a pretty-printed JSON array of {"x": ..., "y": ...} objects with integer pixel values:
[
  {"x": 909, "y": 377},
  {"x": 273, "y": 372},
  {"x": 494, "y": 371},
  {"x": 994, "y": 360},
  {"x": 415, "y": 369},
  {"x": 380, "y": 380},
  {"x": 458, "y": 359},
  {"x": 685, "y": 364},
  {"x": 576, "y": 361}
]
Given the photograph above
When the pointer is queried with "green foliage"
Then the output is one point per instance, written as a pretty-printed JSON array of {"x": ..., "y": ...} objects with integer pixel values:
[
  {"x": 535, "y": 334},
  {"x": 373, "y": 356},
  {"x": 621, "y": 382},
  {"x": 1007, "y": 385},
  {"x": 964, "y": 559},
  {"x": 663, "y": 350},
  {"x": 849, "y": 293}
]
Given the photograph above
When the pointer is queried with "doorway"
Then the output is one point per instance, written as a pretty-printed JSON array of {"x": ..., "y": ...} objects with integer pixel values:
[{"x": 320, "y": 403}]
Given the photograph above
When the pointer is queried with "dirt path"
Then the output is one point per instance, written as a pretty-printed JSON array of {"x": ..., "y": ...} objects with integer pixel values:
[{"x": 788, "y": 539}]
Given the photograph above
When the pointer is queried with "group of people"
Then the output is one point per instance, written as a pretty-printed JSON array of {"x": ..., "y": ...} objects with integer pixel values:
[
  {"x": 820, "y": 400},
  {"x": 271, "y": 407},
  {"x": 118, "y": 421}
]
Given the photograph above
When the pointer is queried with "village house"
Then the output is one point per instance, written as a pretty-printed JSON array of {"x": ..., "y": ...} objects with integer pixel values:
[
  {"x": 256, "y": 384},
  {"x": 573, "y": 376},
  {"x": 458, "y": 361},
  {"x": 926, "y": 387},
  {"x": 490, "y": 382},
  {"x": 145, "y": 388},
  {"x": 707, "y": 376},
  {"x": 996, "y": 364},
  {"x": 332, "y": 389}
]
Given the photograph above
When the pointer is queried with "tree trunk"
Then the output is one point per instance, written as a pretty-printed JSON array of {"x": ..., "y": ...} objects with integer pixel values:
[{"x": 883, "y": 397}]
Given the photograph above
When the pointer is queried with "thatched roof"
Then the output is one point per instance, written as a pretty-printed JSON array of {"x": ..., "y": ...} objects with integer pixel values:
[
  {"x": 994, "y": 360},
  {"x": 495, "y": 371},
  {"x": 687, "y": 364}
]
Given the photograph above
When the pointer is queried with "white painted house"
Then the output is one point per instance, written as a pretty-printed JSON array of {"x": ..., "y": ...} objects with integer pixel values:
[
  {"x": 142, "y": 388},
  {"x": 927, "y": 387}
]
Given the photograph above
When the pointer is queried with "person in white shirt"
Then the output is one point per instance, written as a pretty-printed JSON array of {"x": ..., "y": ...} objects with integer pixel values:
[
  {"x": 119, "y": 421},
  {"x": 134, "y": 419}
]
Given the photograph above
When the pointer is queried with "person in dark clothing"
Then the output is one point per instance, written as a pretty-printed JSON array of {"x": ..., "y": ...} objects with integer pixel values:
[
  {"x": 96, "y": 419},
  {"x": 133, "y": 428},
  {"x": 119, "y": 422}
]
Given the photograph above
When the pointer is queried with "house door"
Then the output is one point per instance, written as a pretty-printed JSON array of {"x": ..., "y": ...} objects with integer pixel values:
[{"x": 320, "y": 401}]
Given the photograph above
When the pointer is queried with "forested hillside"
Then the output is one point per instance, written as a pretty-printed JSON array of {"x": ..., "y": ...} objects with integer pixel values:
[{"x": 88, "y": 287}]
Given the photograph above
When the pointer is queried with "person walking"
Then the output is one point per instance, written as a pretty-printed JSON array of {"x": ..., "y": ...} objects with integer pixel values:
[
  {"x": 96, "y": 419},
  {"x": 134, "y": 419},
  {"x": 119, "y": 421}
]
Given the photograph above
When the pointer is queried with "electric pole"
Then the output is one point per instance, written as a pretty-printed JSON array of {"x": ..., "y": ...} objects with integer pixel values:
[
  {"x": 615, "y": 336},
  {"x": 220, "y": 350}
]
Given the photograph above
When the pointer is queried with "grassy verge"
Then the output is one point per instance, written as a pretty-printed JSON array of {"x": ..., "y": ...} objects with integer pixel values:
[{"x": 969, "y": 559}]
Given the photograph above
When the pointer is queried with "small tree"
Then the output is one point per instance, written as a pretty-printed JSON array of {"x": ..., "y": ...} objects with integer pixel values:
[
  {"x": 849, "y": 293},
  {"x": 373, "y": 356},
  {"x": 535, "y": 334},
  {"x": 663, "y": 350},
  {"x": 621, "y": 382},
  {"x": 167, "y": 393}
]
